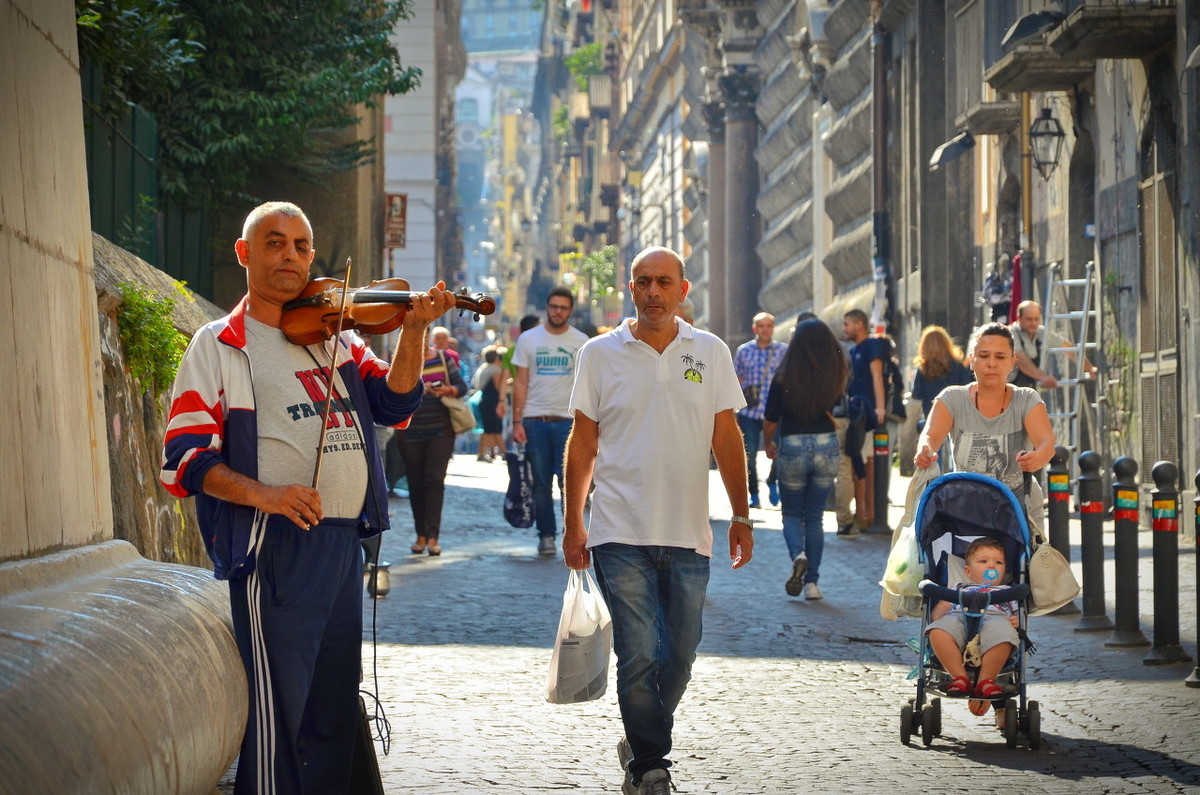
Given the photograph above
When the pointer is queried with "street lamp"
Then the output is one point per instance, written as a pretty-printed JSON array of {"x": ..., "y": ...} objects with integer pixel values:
[{"x": 1046, "y": 140}]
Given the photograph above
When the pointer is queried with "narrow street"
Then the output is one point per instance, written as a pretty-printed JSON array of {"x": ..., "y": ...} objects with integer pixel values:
[{"x": 787, "y": 695}]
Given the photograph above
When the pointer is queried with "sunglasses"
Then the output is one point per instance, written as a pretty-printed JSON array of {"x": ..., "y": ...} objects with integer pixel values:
[{"x": 559, "y": 307}]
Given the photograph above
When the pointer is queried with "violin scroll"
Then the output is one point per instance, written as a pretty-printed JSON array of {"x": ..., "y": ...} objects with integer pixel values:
[{"x": 479, "y": 304}]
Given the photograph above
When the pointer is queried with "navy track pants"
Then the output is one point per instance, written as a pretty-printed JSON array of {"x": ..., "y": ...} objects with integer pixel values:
[{"x": 297, "y": 619}]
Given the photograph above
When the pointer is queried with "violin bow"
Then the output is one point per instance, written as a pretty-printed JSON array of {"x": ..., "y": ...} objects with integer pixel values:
[{"x": 332, "y": 379}]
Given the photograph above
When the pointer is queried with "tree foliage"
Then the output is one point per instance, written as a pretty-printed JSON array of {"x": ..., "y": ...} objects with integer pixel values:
[
  {"x": 241, "y": 87},
  {"x": 583, "y": 62},
  {"x": 601, "y": 267}
]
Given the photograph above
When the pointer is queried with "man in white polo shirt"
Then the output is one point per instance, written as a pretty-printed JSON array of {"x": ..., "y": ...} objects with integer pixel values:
[{"x": 651, "y": 398}]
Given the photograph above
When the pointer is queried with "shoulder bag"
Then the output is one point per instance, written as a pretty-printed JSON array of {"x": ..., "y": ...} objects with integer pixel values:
[
  {"x": 1051, "y": 582},
  {"x": 461, "y": 417}
]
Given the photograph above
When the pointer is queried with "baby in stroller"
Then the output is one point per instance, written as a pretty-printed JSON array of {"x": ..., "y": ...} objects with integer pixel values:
[
  {"x": 973, "y": 539},
  {"x": 997, "y": 634}
]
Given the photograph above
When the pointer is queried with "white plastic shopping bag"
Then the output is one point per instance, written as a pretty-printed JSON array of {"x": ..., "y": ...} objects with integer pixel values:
[
  {"x": 904, "y": 570},
  {"x": 579, "y": 663}
]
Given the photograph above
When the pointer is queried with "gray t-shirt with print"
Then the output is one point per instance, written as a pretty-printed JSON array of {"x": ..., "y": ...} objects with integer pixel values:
[
  {"x": 989, "y": 445},
  {"x": 289, "y": 395}
]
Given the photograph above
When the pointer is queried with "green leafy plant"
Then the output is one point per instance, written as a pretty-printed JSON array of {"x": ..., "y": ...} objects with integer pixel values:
[
  {"x": 1121, "y": 358},
  {"x": 601, "y": 267},
  {"x": 137, "y": 231},
  {"x": 245, "y": 88},
  {"x": 153, "y": 347},
  {"x": 561, "y": 122},
  {"x": 584, "y": 62}
]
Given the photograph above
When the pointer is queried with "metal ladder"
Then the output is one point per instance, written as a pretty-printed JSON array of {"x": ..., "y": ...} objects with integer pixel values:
[{"x": 1072, "y": 309}]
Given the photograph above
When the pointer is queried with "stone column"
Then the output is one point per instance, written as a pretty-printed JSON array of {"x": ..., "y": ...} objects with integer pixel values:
[
  {"x": 714, "y": 115},
  {"x": 743, "y": 276}
]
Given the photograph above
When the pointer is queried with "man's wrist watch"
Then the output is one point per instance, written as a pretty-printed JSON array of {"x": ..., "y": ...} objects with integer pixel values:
[{"x": 742, "y": 520}]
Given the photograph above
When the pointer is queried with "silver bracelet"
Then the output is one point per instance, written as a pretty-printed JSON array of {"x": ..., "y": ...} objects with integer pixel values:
[{"x": 742, "y": 520}]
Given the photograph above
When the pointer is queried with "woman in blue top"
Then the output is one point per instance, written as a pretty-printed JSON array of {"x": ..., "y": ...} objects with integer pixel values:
[
  {"x": 803, "y": 392},
  {"x": 939, "y": 364}
]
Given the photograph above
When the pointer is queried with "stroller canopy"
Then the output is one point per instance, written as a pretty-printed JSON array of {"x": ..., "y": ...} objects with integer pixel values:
[{"x": 959, "y": 507}]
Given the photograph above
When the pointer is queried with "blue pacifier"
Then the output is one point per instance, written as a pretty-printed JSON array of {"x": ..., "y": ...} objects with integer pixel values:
[{"x": 991, "y": 575}]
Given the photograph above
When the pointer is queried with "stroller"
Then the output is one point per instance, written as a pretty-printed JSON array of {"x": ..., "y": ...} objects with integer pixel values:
[{"x": 954, "y": 510}]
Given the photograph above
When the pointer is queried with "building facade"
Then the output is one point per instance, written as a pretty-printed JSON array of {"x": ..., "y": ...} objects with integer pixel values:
[
  {"x": 823, "y": 155},
  {"x": 419, "y": 148}
]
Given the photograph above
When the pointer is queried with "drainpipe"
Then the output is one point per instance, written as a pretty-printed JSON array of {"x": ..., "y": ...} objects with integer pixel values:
[
  {"x": 1026, "y": 201},
  {"x": 881, "y": 311}
]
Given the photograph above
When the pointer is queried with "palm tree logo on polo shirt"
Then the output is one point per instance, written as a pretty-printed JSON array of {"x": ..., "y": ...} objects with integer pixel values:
[{"x": 694, "y": 368}]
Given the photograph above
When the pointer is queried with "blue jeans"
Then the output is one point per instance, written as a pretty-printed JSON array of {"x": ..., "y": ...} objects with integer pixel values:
[
  {"x": 806, "y": 466},
  {"x": 545, "y": 443},
  {"x": 752, "y": 434},
  {"x": 656, "y": 597}
]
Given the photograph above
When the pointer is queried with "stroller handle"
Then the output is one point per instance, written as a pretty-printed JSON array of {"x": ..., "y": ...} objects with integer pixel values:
[{"x": 973, "y": 601}]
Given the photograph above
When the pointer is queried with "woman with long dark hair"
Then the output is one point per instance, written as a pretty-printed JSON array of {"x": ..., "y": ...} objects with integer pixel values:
[{"x": 803, "y": 392}]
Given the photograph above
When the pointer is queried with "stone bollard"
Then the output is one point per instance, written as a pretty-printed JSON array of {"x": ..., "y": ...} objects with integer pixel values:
[
  {"x": 117, "y": 674},
  {"x": 1164, "y": 518},
  {"x": 1091, "y": 546},
  {"x": 1193, "y": 679},
  {"x": 1058, "y": 526},
  {"x": 1127, "y": 617},
  {"x": 882, "y": 461}
]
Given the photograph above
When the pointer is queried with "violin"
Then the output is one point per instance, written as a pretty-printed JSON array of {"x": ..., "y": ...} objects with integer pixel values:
[{"x": 318, "y": 312}]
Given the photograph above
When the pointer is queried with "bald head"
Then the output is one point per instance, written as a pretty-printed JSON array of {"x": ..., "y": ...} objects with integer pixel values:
[{"x": 656, "y": 252}]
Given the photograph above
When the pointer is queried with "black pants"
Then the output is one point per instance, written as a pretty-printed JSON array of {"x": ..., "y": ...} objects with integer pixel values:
[{"x": 425, "y": 462}]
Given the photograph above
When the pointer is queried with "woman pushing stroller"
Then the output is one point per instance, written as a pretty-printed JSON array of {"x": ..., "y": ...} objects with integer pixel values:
[{"x": 1002, "y": 431}]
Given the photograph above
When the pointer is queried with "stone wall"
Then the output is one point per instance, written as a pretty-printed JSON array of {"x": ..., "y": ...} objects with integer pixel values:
[
  {"x": 54, "y": 466},
  {"x": 161, "y": 526}
]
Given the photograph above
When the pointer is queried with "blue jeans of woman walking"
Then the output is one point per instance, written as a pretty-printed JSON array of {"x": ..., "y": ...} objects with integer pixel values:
[{"x": 806, "y": 466}]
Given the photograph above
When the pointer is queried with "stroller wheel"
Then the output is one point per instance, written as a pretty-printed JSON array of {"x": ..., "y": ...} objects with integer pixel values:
[
  {"x": 1034, "y": 729},
  {"x": 936, "y": 704},
  {"x": 929, "y": 720},
  {"x": 906, "y": 723},
  {"x": 1010, "y": 727}
]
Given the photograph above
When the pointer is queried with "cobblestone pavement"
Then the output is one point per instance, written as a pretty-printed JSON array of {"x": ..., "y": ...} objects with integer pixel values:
[{"x": 788, "y": 695}]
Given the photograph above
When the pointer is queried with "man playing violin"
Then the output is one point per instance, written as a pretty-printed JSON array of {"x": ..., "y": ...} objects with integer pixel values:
[{"x": 245, "y": 424}]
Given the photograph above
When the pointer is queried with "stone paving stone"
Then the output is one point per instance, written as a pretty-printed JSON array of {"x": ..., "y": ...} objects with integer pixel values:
[{"x": 787, "y": 695}]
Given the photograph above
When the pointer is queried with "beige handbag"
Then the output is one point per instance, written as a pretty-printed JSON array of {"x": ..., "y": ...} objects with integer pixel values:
[
  {"x": 1051, "y": 582},
  {"x": 461, "y": 417}
]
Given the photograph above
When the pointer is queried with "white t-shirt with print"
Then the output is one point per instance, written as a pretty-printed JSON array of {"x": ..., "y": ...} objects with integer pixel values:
[
  {"x": 289, "y": 392},
  {"x": 551, "y": 362},
  {"x": 656, "y": 414}
]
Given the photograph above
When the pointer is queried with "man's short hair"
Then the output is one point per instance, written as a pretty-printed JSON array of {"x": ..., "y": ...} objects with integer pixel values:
[
  {"x": 528, "y": 322},
  {"x": 764, "y": 316},
  {"x": 1021, "y": 307},
  {"x": 858, "y": 316},
  {"x": 561, "y": 292},
  {"x": 272, "y": 208}
]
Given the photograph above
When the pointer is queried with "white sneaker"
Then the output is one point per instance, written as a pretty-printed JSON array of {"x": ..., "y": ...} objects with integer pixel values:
[
  {"x": 811, "y": 591},
  {"x": 796, "y": 581}
]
